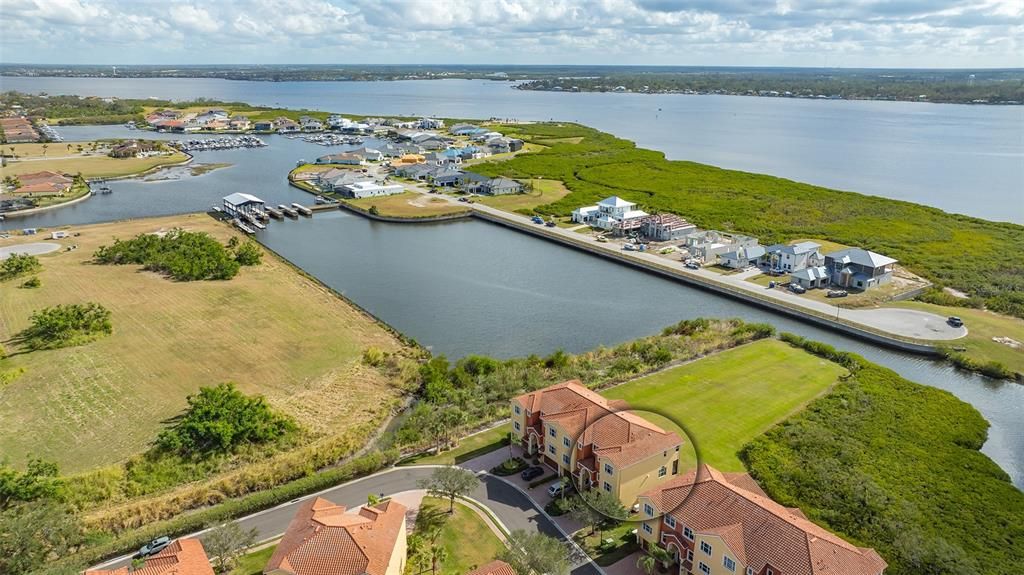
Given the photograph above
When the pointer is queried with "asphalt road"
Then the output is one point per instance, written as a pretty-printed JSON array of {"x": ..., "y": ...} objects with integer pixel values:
[{"x": 511, "y": 506}]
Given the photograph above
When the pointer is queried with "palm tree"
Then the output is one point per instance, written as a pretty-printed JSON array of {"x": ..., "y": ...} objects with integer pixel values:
[
  {"x": 438, "y": 555},
  {"x": 647, "y": 563},
  {"x": 661, "y": 556},
  {"x": 44, "y": 148}
]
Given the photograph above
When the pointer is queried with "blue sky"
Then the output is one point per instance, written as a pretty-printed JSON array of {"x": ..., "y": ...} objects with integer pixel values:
[{"x": 847, "y": 33}]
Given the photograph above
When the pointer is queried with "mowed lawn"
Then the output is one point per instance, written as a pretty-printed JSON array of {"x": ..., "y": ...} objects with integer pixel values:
[
  {"x": 409, "y": 205},
  {"x": 468, "y": 540},
  {"x": 270, "y": 329},
  {"x": 59, "y": 159},
  {"x": 543, "y": 192},
  {"x": 729, "y": 398}
]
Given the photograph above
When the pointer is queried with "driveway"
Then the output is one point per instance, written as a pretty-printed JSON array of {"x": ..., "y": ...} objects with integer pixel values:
[
  {"x": 33, "y": 249},
  {"x": 514, "y": 509}
]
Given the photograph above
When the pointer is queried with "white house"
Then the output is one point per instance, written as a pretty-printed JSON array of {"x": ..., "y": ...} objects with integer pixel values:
[
  {"x": 811, "y": 277},
  {"x": 367, "y": 189},
  {"x": 793, "y": 258},
  {"x": 612, "y": 214}
]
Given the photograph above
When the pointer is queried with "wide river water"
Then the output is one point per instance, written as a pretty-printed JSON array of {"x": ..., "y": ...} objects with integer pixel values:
[
  {"x": 472, "y": 287},
  {"x": 963, "y": 159}
]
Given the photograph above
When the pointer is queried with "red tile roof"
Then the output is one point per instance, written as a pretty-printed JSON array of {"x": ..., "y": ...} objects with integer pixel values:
[
  {"x": 323, "y": 539},
  {"x": 618, "y": 435},
  {"x": 758, "y": 530},
  {"x": 181, "y": 557},
  {"x": 496, "y": 567}
]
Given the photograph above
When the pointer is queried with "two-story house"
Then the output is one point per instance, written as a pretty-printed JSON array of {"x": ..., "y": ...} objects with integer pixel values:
[
  {"x": 788, "y": 259},
  {"x": 858, "y": 268},
  {"x": 612, "y": 214},
  {"x": 715, "y": 523},
  {"x": 595, "y": 441}
]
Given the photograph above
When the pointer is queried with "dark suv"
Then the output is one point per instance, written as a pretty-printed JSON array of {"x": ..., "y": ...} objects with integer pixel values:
[{"x": 532, "y": 473}]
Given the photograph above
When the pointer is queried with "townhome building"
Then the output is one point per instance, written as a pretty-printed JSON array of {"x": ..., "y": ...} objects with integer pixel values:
[
  {"x": 596, "y": 442},
  {"x": 327, "y": 538},
  {"x": 714, "y": 523}
]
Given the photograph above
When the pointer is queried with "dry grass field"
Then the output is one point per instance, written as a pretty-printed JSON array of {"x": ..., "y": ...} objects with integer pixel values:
[
  {"x": 270, "y": 329},
  {"x": 409, "y": 205},
  {"x": 60, "y": 158},
  {"x": 543, "y": 192}
]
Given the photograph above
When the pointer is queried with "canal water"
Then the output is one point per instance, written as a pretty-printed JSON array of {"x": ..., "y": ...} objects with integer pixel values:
[
  {"x": 962, "y": 159},
  {"x": 472, "y": 287}
]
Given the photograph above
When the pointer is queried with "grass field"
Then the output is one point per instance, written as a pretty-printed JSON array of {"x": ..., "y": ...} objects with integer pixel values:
[
  {"x": 982, "y": 326},
  {"x": 270, "y": 329},
  {"x": 469, "y": 447},
  {"x": 543, "y": 192},
  {"x": 727, "y": 399},
  {"x": 253, "y": 563},
  {"x": 469, "y": 541},
  {"x": 60, "y": 158},
  {"x": 409, "y": 205}
]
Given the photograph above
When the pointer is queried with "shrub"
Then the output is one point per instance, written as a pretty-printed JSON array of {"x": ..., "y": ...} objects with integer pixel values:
[
  {"x": 687, "y": 327},
  {"x": 560, "y": 506},
  {"x": 221, "y": 418},
  {"x": 374, "y": 211},
  {"x": 17, "y": 265},
  {"x": 509, "y": 467},
  {"x": 543, "y": 480},
  {"x": 939, "y": 296},
  {"x": 181, "y": 255},
  {"x": 374, "y": 356},
  {"x": 32, "y": 283},
  {"x": 249, "y": 253},
  {"x": 66, "y": 325}
]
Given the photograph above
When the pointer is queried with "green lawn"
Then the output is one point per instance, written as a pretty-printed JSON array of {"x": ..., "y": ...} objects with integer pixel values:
[
  {"x": 727, "y": 399},
  {"x": 605, "y": 554},
  {"x": 253, "y": 563},
  {"x": 464, "y": 535},
  {"x": 982, "y": 326},
  {"x": 543, "y": 192},
  {"x": 470, "y": 447}
]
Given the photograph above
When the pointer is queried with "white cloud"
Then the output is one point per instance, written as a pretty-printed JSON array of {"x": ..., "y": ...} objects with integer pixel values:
[{"x": 709, "y": 32}]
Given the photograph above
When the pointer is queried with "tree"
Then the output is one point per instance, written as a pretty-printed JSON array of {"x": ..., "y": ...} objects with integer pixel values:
[
  {"x": 597, "y": 509},
  {"x": 536, "y": 554},
  {"x": 438, "y": 555},
  {"x": 17, "y": 265},
  {"x": 226, "y": 543},
  {"x": 38, "y": 481},
  {"x": 450, "y": 482},
  {"x": 647, "y": 563},
  {"x": 34, "y": 534},
  {"x": 221, "y": 418},
  {"x": 66, "y": 325},
  {"x": 248, "y": 254},
  {"x": 44, "y": 148}
]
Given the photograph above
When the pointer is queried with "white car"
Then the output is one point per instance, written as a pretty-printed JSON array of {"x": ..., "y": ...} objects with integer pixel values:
[{"x": 556, "y": 489}]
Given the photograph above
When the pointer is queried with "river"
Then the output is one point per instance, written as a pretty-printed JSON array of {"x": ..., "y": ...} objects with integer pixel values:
[
  {"x": 472, "y": 287},
  {"x": 962, "y": 159}
]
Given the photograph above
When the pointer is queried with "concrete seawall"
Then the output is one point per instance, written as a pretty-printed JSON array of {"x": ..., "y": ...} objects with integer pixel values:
[{"x": 722, "y": 289}]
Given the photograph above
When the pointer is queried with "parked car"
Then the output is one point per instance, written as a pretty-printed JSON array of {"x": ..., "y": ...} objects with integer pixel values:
[
  {"x": 555, "y": 489},
  {"x": 797, "y": 288},
  {"x": 532, "y": 473},
  {"x": 955, "y": 321},
  {"x": 691, "y": 264},
  {"x": 837, "y": 293},
  {"x": 153, "y": 547},
  {"x": 772, "y": 284},
  {"x": 464, "y": 199}
]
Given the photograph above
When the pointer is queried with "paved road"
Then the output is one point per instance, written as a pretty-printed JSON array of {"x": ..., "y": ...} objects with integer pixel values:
[
  {"x": 33, "y": 249},
  {"x": 513, "y": 508}
]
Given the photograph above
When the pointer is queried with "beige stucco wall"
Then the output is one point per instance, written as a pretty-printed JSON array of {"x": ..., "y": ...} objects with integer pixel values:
[
  {"x": 396, "y": 566},
  {"x": 719, "y": 550},
  {"x": 629, "y": 482}
]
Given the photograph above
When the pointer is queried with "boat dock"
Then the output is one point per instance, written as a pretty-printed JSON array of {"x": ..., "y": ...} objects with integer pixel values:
[
  {"x": 288, "y": 211},
  {"x": 302, "y": 209},
  {"x": 274, "y": 213}
]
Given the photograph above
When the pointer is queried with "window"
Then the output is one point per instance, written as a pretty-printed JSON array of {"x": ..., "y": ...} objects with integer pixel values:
[
  {"x": 689, "y": 555},
  {"x": 566, "y": 442},
  {"x": 688, "y": 533},
  {"x": 729, "y": 563},
  {"x": 675, "y": 467},
  {"x": 528, "y": 413},
  {"x": 607, "y": 486},
  {"x": 565, "y": 459},
  {"x": 551, "y": 449},
  {"x": 608, "y": 468},
  {"x": 670, "y": 521},
  {"x": 704, "y": 568},
  {"x": 750, "y": 571},
  {"x": 705, "y": 547},
  {"x": 648, "y": 510},
  {"x": 663, "y": 471},
  {"x": 769, "y": 571},
  {"x": 517, "y": 426},
  {"x": 517, "y": 410},
  {"x": 552, "y": 432},
  {"x": 647, "y": 528}
]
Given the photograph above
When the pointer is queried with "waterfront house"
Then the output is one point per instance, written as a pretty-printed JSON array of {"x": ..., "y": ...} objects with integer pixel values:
[
  {"x": 264, "y": 126},
  {"x": 344, "y": 159},
  {"x": 707, "y": 245},
  {"x": 369, "y": 189},
  {"x": 182, "y": 557},
  {"x": 741, "y": 257},
  {"x": 810, "y": 277},
  {"x": 369, "y": 154},
  {"x": 495, "y": 187},
  {"x": 430, "y": 124},
  {"x": 860, "y": 269},
  {"x": 240, "y": 123},
  {"x": 335, "y": 180},
  {"x": 714, "y": 523},
  {"x": 132, "y": 148},
  {"x": 415, "y": 171},
  {"x": 784, "y": 258},
  {"x": 612, "y": 214},
  {"x": 286, "y": 125},
  {"x": 595, "y": 441},
  {"x": 328, "y": 538},
  {"x": 447, "y": 177},
  {"x": 665, "y": 227},
  {"x": 310, "y": 124}
]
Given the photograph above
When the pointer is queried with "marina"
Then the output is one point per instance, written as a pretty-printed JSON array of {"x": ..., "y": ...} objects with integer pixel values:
[{"x": 224, "y": 143}]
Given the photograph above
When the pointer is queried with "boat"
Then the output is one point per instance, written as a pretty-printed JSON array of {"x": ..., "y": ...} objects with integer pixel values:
[
  {"x": 288, "y": 211},
  {"x": 302, "y": 209},
  {"x": 320, "y": 200}
]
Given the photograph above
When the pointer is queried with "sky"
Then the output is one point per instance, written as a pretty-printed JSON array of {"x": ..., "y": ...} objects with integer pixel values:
[{"x": 842, "y": 33}]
